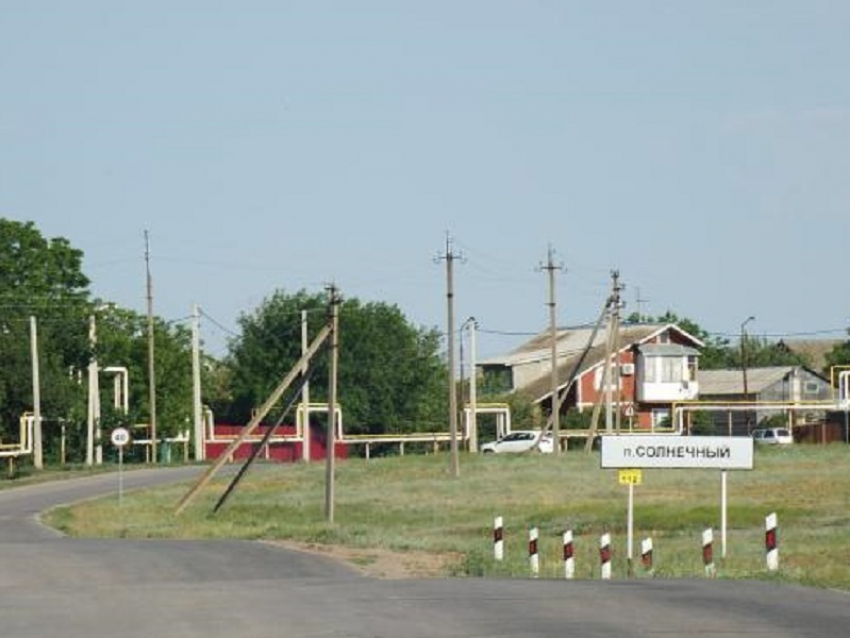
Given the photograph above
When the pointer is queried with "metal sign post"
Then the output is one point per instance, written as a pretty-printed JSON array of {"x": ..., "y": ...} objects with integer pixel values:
[
  {"x": 120, "y": 437},
  {"x": 630, "y": 477},
  {"x": 629, "y": 453},
  {"x": 723, "y": 513}
]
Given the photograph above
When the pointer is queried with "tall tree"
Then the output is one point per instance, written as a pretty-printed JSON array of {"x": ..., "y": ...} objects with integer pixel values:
[
  {"x": 839, "y": 355},
  {"x": 42, "y": 278},
  {"x": 719, "y": 352},
  {"x": 391, "y": 378},
  {"x": 122, "y": 341}
]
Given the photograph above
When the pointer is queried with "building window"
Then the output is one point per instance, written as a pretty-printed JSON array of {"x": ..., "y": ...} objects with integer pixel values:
[
  {"x": 811, "y": 387},
  {"x": 661, "y": 418},
  {"x": 671, "y": 369},
  {"x": 692, "y": 368}
]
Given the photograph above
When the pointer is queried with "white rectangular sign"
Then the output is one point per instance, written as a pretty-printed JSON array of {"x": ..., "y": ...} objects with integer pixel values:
[{"x": 674, "y": 451}]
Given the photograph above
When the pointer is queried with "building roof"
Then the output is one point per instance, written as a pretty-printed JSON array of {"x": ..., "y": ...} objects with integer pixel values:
[
  {"x": 571, "y": 346},
  {"x": 731, "y": 382},
  {"x": 573, "y": 341}
]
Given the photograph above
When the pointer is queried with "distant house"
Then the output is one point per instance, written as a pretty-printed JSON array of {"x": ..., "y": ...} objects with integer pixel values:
[
  {"x": 653, "y": 367},
  {"x": 781, "y": 384}
]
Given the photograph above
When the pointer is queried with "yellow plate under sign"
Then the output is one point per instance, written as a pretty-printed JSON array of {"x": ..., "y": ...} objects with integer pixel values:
[{"x": 630, "y": 477}]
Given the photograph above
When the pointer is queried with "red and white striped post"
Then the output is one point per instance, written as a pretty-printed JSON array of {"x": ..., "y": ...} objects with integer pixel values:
[
  {"x": 605, "y": 555},
  {"x": 646, "y": 554},
  {"x": 498, "y": 539},
  {"x": 533, "y": 557},
  {"x": 569, "y": 559},
  {"x": 708, "y": 552},
  {"x": 771, "y": 543}
]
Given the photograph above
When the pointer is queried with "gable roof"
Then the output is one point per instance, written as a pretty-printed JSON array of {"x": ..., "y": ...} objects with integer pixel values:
[
  {"x": 731, "y": 382},
  {"x": 571, "y": 345}
]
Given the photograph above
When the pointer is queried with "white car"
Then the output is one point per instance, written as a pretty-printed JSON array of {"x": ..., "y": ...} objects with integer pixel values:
[
  {"x": 521, "y": 441},
  {"x": 773, "y": 436}
]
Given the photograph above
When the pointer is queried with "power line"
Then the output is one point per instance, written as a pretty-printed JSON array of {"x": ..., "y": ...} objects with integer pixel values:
[
  {"x": 780, "y": 335},
  {"x": 219, "y": 325}
]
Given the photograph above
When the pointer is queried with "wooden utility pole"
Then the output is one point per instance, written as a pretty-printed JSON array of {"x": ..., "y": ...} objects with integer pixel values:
[
  {"x": 449, "y": 256},
  {"x": 550, "y": 267},
  {"x": 151, "y": 375},
  {"x": 330, "y": 457},
  {"x": 612, "y": 370},
  {"x": 37, "y": 449},
  {"x": 618, "y": 288},
  {"x": 255, "y": 421}
]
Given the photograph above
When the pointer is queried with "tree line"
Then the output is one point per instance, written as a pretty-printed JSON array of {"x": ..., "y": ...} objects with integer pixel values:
[{"x": 392, "y": 375}]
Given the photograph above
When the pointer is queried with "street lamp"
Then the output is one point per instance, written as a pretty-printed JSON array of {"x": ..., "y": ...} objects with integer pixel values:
[
  {"x": 472, "y": 423},
  {"x": 744, "y": 366}
]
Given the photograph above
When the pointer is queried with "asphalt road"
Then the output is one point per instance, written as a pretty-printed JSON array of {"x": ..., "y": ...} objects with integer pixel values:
[{"x": 52, "y": 586}]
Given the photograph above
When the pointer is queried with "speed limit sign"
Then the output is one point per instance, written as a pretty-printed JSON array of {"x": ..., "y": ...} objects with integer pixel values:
[{"x": 120, "y": 437}]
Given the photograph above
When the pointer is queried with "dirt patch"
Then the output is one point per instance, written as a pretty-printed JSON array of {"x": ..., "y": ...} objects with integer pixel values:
[{"x": 383, "y": 563}]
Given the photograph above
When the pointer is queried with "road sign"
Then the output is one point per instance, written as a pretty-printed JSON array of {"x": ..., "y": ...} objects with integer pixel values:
[
  {"x": 675, "y": 451},
  {"x": 630, "y": 477},
  {"x": 120, "y": 437}
]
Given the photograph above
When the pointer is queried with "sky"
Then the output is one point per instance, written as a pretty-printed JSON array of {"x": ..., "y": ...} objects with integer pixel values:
[{"x": 700, "y": 148}]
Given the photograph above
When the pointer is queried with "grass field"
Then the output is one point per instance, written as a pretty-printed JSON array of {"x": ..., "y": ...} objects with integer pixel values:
[
  {"x": 413, "y": 503},
  {"x": 25, "y": 474}
]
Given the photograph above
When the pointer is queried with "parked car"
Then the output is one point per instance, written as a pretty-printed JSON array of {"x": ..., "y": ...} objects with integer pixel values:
[
  {"x": 773, "y": 436},
  {"x": 521, "y": 441}
]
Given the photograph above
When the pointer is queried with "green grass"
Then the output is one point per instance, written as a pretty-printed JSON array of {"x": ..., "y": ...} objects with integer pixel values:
[
  {"x": 413, "y": 503},
  {"x": 25, "y": 474}
]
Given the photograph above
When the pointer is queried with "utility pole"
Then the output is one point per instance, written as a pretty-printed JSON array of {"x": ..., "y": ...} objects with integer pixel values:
[
  {"x": 607, "y": 374},
  {"x": 151, "y": 377},
  {"x": 618, "y": 306},
  {"x": 305, "y": 392},
  {"x": 449, "y": 256},
  {"x": 200, "y": 452},
  {"x": 550, "y": 267},
  {"x": 333, "y": 295},
  {"x": 473, "y": 388},
  {"x": 744, "y": 368},
  {"x": 611, "y": 377},
  {"x": 37, "y": 449}
]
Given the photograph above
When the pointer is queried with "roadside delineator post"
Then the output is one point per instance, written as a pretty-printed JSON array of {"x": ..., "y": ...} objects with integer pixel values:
[
  {"x": 533, "y": 557},
  {"x": 708, "y": 552},
  {"x": 646, "y": 554},
  {"x": 771, "y": 543},
  {"x": 569, "y": 558},
  {"x": 498, "y": 539},
  {"x": 605, "y": 555}
]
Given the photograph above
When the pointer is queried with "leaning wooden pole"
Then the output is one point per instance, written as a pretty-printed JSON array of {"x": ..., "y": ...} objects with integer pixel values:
[
  {"x": 256, "y": 420},
  {"x": 606, "y": 380},
  {"x": 259, "y": 447},
  {"x": 574, "y": 374}
]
